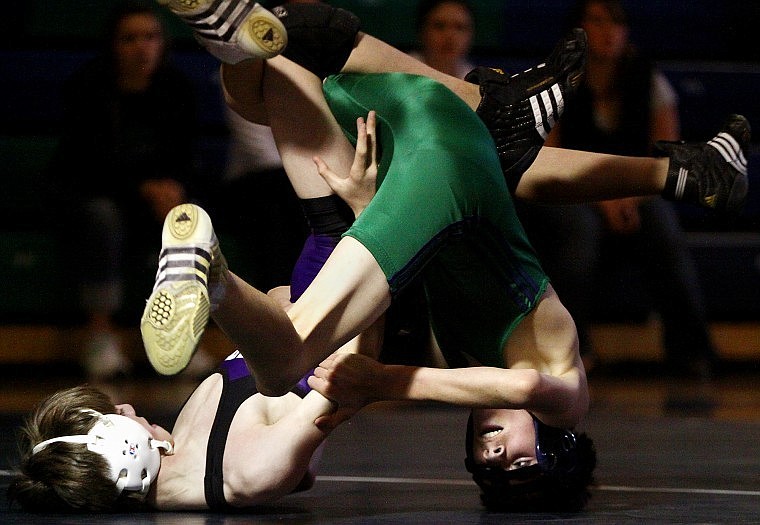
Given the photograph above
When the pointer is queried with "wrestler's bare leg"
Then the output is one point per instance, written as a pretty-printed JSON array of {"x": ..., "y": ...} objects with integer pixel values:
[
  {"x": 351, "y": 291},
  {"x": 371, "y": 55},
  {"x": 557, "y": 175},
  {"x": 346, "y": 297},
  {"x": 567, "y": 176}
]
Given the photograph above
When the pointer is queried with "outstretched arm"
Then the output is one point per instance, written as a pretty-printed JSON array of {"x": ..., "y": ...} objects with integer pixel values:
[{"x": 354, "y": 380}]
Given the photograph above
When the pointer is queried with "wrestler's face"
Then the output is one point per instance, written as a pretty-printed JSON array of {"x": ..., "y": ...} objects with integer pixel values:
[
  {"x": 503, "y": 438},
  {"x": 156, "y": 432}
]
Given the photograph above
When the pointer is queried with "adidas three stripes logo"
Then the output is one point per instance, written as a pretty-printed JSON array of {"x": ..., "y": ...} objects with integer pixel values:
[
  {"x": 221, "y": 20},
  {"x": 547, "y": 107},
  {"x": 730, "y": 151},
  {"x": 683, "y": 173},
  {"x": 187, "y": 263}
]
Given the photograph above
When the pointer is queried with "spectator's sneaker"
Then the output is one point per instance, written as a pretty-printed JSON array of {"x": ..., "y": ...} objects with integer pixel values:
[
  {"x": 712, "y": 174},
  {"x": 178, "y": 309},
  {"x": 104, "y": 359},
  {"x": 232, "y": 30},
  {"x": 521, "y": 109}
]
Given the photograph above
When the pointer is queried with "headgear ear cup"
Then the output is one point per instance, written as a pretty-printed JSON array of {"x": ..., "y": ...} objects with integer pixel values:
[
  {"x": 131, "y": 452},
  {"x": 556, "y": 448}
]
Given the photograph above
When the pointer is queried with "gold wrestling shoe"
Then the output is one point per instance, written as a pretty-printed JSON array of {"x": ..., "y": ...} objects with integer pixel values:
[
  {"x": 178, "y": 310},
  {"x": 232, "y": 30}
]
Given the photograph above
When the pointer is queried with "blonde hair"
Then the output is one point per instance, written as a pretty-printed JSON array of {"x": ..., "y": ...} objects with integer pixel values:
[{"x": 65, "y": 476}]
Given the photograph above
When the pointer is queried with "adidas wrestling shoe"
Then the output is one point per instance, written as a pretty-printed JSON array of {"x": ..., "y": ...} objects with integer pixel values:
[
  {"x": 712, "y": 174},
  {"x": 520, "y": 110},
  {"x": 320, "y": 37},
  {"x": 177, "y": 311},
  {"x": 232, "y": 30}
]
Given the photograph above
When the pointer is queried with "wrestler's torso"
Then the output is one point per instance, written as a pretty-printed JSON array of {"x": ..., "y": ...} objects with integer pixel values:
[
  {"x": 442, "y": 211},
  {"x": 180, "y": 481}
]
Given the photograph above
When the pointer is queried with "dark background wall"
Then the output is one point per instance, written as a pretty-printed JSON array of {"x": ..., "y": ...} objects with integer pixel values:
[
  {"x": 706, "y": 48},
  {"x": 667, "y": 29}
]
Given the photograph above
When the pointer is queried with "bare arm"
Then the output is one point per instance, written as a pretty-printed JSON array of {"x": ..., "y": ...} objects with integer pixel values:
[
  {"x": 351, "y": 379},
  {"x": 268, "y": 461}
]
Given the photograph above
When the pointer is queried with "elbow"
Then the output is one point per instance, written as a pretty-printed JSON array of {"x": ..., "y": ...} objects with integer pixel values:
[
  {"x": 556, "y": 403},
  {"x": 528, "y": 389},
  {"x": 272, "y": 390},
  {"x": 273, "y": 387}
]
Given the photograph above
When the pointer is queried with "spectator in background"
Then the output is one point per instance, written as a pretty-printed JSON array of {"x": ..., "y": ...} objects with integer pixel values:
[
  {"x": 445, "y": 30},
  {"x": 125, "y": 158},
  {"x": 623, "y": 107}
]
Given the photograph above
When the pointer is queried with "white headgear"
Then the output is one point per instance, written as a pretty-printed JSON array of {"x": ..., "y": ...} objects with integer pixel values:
[{"x": 128, "y": 447}]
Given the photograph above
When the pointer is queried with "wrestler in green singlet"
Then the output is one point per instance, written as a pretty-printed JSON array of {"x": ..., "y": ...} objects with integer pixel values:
[{"x": 442, "y": 211}]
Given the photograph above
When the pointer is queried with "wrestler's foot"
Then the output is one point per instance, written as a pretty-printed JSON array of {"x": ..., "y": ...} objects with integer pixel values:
[
  {"x": 520, "y": 110},
  {"x": 712, "y": 174},
  {"x": 320, "y": 37},
  {"x": 232, "y": 30},
  {"x": 178, "y": 309}
]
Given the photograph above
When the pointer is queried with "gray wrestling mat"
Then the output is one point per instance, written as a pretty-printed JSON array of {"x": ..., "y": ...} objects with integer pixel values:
[{"x": 668, "y": 453}]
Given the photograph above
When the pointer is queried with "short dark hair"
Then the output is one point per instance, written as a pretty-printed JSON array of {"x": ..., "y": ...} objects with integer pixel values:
[
  {"x": 578, "y": 12},
  {"x": 66, "y": 477},
  {"x": 124, "y": 9},
  {"x": 424, "y": 7},
  {"x": 544, "y": 492}
]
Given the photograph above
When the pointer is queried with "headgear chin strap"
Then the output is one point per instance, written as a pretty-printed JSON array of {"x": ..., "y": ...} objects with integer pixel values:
[
  {"x": 556, "y": 457},
  {"x": 132, "y": 454}
]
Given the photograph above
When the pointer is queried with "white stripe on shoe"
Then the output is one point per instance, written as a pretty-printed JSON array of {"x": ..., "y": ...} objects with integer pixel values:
[
  {"x": 683, "y": 174},
  {"x": 184, "y": 263},
  {"x": 547, "y": 107},
  {"x": 559, "y": 99},
  {"x": 730, "y": 150},
  {"x": 224, "y": 19}
]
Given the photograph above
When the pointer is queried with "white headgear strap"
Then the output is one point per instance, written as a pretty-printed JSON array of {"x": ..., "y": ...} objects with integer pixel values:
[{"x": 132, "y": 454}]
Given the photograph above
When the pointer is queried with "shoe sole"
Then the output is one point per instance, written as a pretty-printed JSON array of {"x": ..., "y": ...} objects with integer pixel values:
[
  {"x": 260, "y": 34},
  {"x": 177, "y": 312},
  {"x": 172, "y": 325}
]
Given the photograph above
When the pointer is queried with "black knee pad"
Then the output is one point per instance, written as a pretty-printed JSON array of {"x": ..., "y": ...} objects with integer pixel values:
[{"x": 320, "y": 37}]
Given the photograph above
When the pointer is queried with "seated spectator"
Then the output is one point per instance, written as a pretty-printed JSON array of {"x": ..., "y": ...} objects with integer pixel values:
[
  {"x": 445, "y": 30},
  {"x": 125, "y": 158},
  {"x": 624, "y": 105}
]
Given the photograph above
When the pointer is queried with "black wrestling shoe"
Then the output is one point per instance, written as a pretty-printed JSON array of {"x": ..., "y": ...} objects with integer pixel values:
[
  {"x": 320, "y": 37},
  {"x": 712, "y": 174},
  {"x": 521, "y": 109}
]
